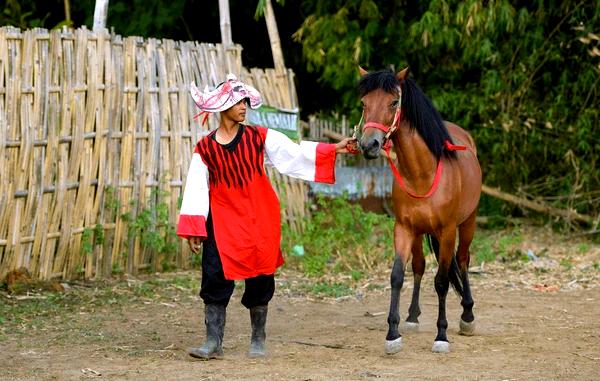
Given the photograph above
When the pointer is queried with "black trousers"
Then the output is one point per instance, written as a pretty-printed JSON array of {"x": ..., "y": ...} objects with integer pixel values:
[{"x": 215, "y": 289}]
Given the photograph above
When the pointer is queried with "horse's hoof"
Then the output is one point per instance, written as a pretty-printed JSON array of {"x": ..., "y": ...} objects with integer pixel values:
[
  {"x": 393, "y": 346},
  {"x": 466, "y": 329},
  {"x": 409, "y": 326},
  {"x": 441, "y": 347}
]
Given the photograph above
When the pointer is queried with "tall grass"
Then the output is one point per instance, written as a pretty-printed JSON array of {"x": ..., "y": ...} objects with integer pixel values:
[{"x": 340, "y": 237}]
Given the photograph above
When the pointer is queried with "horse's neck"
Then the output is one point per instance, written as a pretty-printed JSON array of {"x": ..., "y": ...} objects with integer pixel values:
[{"x": 415, "y": 162}]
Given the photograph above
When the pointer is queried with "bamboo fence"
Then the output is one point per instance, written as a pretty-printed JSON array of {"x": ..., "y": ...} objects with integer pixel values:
[{"x": 96, "y": 129}]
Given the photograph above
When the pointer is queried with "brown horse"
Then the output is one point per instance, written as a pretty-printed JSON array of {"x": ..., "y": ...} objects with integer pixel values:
[{"x": 436, "y": 193}]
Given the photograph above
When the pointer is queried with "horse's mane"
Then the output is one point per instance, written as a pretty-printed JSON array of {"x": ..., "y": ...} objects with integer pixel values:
[{"x": 417, "y": 109}]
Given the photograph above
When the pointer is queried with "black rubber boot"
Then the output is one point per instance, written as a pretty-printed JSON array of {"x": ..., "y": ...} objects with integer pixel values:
[
  {"x": 258, "y": 319},
  {"x": 214, "y": 318}
]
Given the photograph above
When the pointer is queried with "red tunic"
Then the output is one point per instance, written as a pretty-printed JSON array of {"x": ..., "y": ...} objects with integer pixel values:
[{"x": 245, "y": 208}]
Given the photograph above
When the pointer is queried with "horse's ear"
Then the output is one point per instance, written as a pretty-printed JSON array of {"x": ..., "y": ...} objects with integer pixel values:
[
  {"x": 402, "y": 74},
  {"x": 362, "y": 71}
]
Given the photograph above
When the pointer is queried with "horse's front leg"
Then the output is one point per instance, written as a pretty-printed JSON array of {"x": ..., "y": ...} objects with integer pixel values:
[
  {"x": 418, "y": 267},
  {"x": 442, "y": 283},
  {"x": 402, "y": 243}
]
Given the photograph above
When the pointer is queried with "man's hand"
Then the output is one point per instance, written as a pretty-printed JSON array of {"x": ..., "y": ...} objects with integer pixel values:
[
  {"x": 194, "y": 243},
  {"x": 347, "y": 145}
]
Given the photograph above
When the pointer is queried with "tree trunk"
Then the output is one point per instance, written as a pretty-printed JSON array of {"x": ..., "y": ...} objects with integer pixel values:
[
  {"x": 226, "y": 39},
  {"x": 100, "y": 13},
  {"x": 274, "y": 38}
]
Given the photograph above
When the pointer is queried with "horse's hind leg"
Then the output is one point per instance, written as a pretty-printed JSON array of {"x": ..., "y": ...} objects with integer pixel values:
[
  {"x": 418, "y": 266},
  {"x": 465, "y": 236}
]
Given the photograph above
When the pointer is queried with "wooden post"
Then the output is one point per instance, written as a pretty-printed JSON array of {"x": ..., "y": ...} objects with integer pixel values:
[
  {"x": 226, "y": 39},
  {"x": 100, "y": 13},
  {"x": 278, "y": 61}
]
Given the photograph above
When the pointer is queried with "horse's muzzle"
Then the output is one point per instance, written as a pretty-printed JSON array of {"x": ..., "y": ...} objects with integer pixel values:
[{"x": 371, "y": 148}]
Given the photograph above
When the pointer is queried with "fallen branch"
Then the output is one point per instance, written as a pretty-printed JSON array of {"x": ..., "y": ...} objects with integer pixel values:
[
  {"x": 537, "y": 205},
  {"x": 333, "y": 135},
  {"x": 332, "y": 346},
  {"x": 586, "y": 356},
  {"x": 582, "y": 234}
]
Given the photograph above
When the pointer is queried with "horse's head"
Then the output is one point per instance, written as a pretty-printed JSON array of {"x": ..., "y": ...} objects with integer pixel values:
[{"x": 381, "y": 99}]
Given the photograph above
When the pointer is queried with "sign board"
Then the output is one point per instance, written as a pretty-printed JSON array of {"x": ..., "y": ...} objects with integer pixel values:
[{"x": 285, "y": 121}]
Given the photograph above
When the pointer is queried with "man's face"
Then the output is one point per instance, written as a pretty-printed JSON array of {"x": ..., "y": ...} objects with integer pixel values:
[{"x": 237, "y": 112}]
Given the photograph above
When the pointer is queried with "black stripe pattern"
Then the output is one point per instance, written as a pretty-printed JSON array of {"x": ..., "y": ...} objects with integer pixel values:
[{"x": 236, "y": 163}]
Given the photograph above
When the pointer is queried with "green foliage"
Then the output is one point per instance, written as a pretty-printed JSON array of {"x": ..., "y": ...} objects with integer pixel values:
[
  {"x": 111, "y": 201},
  {"x": 583, "y": 248},
  {"x": 522, "y": 77},
  {"x": 22, "y": 14},
  {"x": 98, "y": 234},
  {"x": 146, "y": 18},
  {"x": 566, "y": 263},
  {"x": 335, "y": 289},
  {"x": 86, "y": 241},
  {"x": 261, "y": 6},
  {"x": 116, "y": 269},
  {"x": 153, "y": 227},
  {"x": 489, "y": 247},
  {"x": 341, "y": 237}
]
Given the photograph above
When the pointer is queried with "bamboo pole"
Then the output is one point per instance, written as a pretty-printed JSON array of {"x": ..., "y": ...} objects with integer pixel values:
[
  {"x": 4, "y": 178},
  {"x": 100, "y": 116},
  {"x": 10, "y": 55},
  {"x": 40, "y": 111},
  {"x": 100, "y": 13},
  {"x": 64, "y": 197},
  {"x": 67, "y": 4},
  {"x": 273, "y": 32},
  {"x": 225, "y": 23}
]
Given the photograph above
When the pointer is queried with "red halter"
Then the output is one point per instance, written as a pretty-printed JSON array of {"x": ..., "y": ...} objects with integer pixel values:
[{"x": 387, "y": 130}]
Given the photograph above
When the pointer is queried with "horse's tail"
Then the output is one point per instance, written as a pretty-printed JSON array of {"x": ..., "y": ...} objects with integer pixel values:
[{"x": 453, "y": 272}]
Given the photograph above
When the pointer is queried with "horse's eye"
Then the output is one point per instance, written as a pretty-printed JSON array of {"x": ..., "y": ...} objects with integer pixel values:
[{"x": 394, "y": 104}]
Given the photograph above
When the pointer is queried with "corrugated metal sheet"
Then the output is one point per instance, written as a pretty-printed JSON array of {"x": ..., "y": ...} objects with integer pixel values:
[{"x": 357, "y": 183}]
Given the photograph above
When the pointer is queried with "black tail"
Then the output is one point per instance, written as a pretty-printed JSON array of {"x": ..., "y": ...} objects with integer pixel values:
[{"x": 453, "y": 272}]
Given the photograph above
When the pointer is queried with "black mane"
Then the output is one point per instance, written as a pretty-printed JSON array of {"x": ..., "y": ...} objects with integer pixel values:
[{"x": 417, "y": 109}]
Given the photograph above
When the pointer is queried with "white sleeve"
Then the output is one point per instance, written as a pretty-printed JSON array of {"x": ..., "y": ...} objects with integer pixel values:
[
  {"x": 195, "y": 205},
  {"x": 311, "y": 161}
]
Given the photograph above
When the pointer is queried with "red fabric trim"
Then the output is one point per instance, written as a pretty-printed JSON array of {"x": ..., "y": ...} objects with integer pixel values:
[
  {"x": 325, "y": 163},
  {"x": 191, "y": 226}
]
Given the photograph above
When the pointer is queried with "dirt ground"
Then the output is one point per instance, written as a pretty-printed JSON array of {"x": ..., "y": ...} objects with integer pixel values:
[{"x": 531, "y": 325}]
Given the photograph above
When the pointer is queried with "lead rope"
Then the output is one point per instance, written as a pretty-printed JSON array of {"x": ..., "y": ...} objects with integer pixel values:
[{"x": 355, "y": 149}]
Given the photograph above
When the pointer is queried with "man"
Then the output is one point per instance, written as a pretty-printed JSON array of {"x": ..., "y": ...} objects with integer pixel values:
[{"x": 230, "y": 206}]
